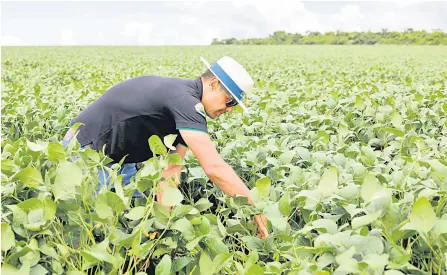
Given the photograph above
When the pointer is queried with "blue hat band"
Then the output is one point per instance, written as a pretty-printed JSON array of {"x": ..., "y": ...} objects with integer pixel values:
[{"x": 226, "y": 79}]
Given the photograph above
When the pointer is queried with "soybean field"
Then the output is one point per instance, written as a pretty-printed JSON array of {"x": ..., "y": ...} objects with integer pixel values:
[{"x": 344, "y": 150}]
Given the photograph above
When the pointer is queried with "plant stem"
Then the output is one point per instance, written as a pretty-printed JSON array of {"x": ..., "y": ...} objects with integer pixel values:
[{"x": 387, "y": 236}]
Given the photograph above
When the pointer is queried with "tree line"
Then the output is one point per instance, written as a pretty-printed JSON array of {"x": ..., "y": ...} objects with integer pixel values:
[{"x": 409, "y": 36}]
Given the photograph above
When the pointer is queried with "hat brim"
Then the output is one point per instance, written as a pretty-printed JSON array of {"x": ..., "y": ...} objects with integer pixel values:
[{"x": 235, "y": 97}]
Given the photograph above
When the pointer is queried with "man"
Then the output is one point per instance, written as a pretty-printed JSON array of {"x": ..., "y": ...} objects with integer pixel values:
[{"x": 127, "y": 114}]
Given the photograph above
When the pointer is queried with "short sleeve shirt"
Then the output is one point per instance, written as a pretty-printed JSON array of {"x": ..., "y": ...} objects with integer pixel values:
[{"x": 129, "y": 113}]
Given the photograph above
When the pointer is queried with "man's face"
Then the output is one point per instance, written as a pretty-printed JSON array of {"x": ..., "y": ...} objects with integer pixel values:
[{"x": 216, "y": 100}]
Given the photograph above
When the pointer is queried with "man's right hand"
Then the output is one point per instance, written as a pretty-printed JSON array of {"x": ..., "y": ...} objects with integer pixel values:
[
  {"x": 262, "y": 224},
  {"x": 219, "y": 172}
]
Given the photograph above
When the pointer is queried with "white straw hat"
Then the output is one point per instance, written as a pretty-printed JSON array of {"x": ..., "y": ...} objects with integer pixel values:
[{"x": 233, "y": 76}]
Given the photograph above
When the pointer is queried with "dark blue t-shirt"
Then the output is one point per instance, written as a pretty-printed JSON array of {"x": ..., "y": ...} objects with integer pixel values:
[{"x": 127, "y": 114}]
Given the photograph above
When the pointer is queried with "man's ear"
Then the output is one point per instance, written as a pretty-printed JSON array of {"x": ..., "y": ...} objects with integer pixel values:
[{"x": 214, "y": 83}]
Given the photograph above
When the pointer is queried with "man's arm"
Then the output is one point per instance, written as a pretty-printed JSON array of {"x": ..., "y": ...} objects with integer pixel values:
[
  {"x": 220, "y": 172},
  {"x": 214, "y": 166}
]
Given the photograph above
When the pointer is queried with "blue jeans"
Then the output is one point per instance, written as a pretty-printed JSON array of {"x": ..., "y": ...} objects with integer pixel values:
[{"x": 127, "y": 169}]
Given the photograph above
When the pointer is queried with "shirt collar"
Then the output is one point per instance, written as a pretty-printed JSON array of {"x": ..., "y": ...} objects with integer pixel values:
[{"x": 199, "y": 85}]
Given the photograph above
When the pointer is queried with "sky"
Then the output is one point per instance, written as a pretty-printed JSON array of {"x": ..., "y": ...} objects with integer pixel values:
[{"x": 198, "y": 22}]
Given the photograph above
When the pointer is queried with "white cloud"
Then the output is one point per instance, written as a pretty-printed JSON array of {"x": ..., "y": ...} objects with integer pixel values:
[
  {"x": 11, "y": 41},
  {"x": 279, "y": 15},
  {"x": 407, "y": 3},
  {"x": 68, "y": 37},
  {"x": 292, "y": 16},
  {"x": 350, "y": 18},
  {"x": 101, "y": 38},
  {"x": 198, "y": 22},
  {"x": 141, "y": 31}
]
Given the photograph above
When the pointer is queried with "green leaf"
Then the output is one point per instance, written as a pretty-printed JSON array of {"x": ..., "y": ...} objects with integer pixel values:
[
  {"x": 216, "y": 245},
  {"x": 102, "y": 207},
  {"x": 68, "y": 177},
  {"x": 56, "y": 152},
  {"x": 329, "y": 182},
  {"x": 183, "y": 225},
  {"x": 422, "y": 215},
  {"x": 99, "y": 253},
  {"x": 157, "y": 146},
  {"x": 393, "y": 272},
  {"x": 92, "y": 154},
  {"x": 30, "y": 204},
  {"x": 182, "y": 210},
  {"x": 369, "y": 187},
  {"x": 169, "y": 140},
  {"x": 49, "y": 209},
  {"x": 36, "y": 216},
  {"x": 164, "y": 266},
  {"x": 286, "y": 157},
  {"x": 57, "y": 267},
  {"x": 240, "y": 200},
  {"x": 192, "y": 244},
  {"x": 50, "y": 251},
  {"x": 377, "y": 262},
  {"x": 180, "y": 263},
  {"x": 205, "y": 264},
  {"x": 343, "y": 129},
  {"x": 203, "y": 204},
  {"x": 36, "y": 146},
  {"x": 329, "y": 226},
  {"x": 172, "y": 196},
  {"x": 346, "y": 263},
  {"x": 324, "y": 136},
  {"x": 10, "y": 270},
  {"x": 284, "y": 205},
  {"x": 253, "y": 243},
  {"x": 263, "y": 187},
  {"x": 395, "y": 132},
  {"x": 175, "y": 158},
  {"x": 396, "y": 119},
  {"x": 135, "y": 213},
  {"x": 115, "y": 202},
  {"x": 325, "y": 260},
  {"x": 274, "y": 216},
  {"x": 38, "y": 270},
  {"x": 63, "y": 250},
  {"x": 365, "y": 220},
  {"x": 7, "y": 165},
  {"x": 204, "y": 227},
  {"x": 252, "y": 258},
  {"x": 254, "y": 270},
  {"x": 162, "y": 214},
  {"x": 359, "y": 103},
  {"x": 31, "y": 258},
  {"x": 25, "y": 250},
  {"x": 303, "y": 153},
  {"x": 368, "y": 157},
  {"x": 221, "y": 260},
  {"x": 221, "y": 227},
  {"x": 8, "y": 238},
  {"x": 30, "y": 176},
  {"x": 20, "y": 218},
  {"x": 439, "y": 228}
]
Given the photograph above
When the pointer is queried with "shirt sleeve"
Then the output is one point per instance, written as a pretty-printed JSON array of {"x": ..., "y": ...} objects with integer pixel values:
[
  {"x": 179, "y": 140},
  {"x": 188, "y": 113}
]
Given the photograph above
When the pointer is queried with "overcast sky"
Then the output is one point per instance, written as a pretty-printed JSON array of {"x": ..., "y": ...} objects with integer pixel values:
[{"x": 198, "y": 22}]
